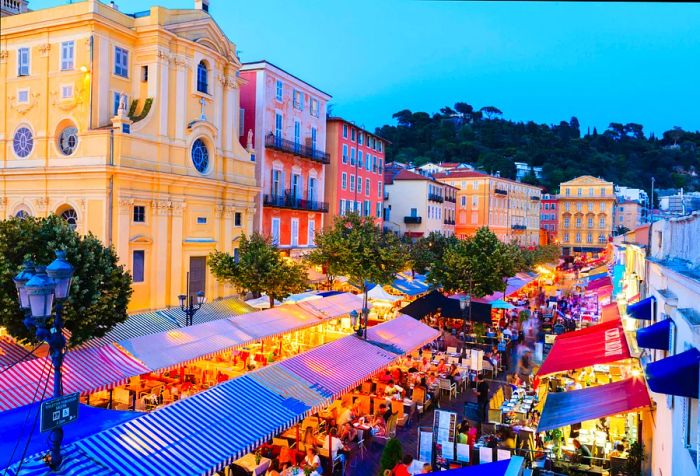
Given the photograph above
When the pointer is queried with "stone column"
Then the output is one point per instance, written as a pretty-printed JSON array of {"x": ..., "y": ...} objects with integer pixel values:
[
  {"x": 161, "y": 91},
  {"x": 176, "y": 259},
  {"x": 126, "y": 205},
  {"x": 180, "y": 97},
  {"x": 159, "y": 264}
]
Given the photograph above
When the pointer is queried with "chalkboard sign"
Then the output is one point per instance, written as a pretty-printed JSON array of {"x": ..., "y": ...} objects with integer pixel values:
[{"x": 471, "y": 411}]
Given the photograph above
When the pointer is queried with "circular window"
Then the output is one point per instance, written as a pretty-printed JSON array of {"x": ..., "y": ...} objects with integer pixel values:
[
  {"x": 71, "y": 217},
  {"x": 23, "y": 142},
  {"x": 200, "y": 156},
  {"x": 68, "y": 140}
]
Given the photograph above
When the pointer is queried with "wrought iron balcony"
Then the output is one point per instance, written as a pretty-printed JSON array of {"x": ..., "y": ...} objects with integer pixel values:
[
  {"x": 500, "y": 191},
  {"x": 288, "y": 200},
  {"x": 451, "y": 199},
  {"x": 519, "y": 227},
  {"x": 449, "y": 222},
  {"x": 283, "y": 145},
  {"x": 434, "y": 197},
  {"x": 534, "y": 197},
  {"x": 412, "y": 220}
]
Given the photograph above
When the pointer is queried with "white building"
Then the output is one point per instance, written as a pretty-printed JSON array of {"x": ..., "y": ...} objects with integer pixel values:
[
  {"x": 635, "y": 194},
  {"x": 673, "y": 281},
  {"x": 522, "y": 170}
]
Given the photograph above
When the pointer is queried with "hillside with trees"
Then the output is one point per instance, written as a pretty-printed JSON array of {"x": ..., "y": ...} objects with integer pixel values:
[{"x": 623, "y": 153}]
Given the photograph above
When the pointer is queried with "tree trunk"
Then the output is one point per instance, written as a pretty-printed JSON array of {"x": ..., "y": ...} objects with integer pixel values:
[{"x": 272, "y": 302}]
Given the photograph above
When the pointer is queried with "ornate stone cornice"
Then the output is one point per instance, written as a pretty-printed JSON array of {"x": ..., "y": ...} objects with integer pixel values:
[
  {"x": 3, "y": 202},
  {"x": 23, "y": 107},
  {"x": 178, "y": 208},
  {"x": 162, "y": 207},
  {"x": 126, "y": 204},
  {"x": 230, "y": 212},
  {"x": 42, "y": 203}
]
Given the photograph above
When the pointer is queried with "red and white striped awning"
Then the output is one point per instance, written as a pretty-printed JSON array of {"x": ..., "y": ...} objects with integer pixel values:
[
  {"x": 84, "y": 371},
  {"x": 11, "y": 352}
]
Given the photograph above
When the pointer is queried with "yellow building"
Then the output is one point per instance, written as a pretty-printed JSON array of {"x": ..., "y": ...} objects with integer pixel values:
[
  {"x": 585, "y": 214},
  {"x": 510, "y": 209},
  {"x": 127, "y": 125}
]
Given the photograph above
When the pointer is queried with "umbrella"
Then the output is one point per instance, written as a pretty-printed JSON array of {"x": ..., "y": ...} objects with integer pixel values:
[{"x": 501, "y": 304}]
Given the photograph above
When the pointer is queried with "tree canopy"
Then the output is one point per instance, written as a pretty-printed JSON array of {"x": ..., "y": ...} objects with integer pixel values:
[
  {"x": 361, "y": 250},
  {"x": 100, "y": 290},
  {"x": 260, "y": 269},
  {"x": 425, "y": 251},
  {"x": 622, "y": 154}
]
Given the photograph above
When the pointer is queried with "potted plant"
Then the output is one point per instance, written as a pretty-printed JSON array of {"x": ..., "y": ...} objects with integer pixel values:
[
  {"x": 391, "y": 455},
  {"x": 633, "y": 465}
]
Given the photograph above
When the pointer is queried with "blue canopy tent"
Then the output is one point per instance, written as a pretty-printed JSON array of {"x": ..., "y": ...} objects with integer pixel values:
[
  {"x": 21, "y": 424},
  {"x": 676, "y": 375},
  {"x": 410, "y": 287},
  {"x": 644, "y": 309},
  {"x": 655, "y": 336},
  {"x": 618, "y": 274}
]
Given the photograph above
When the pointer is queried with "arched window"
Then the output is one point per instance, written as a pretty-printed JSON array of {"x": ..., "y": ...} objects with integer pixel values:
[
  {"x": 200, "y": 156},
  {"x": 22, "y": 214},
  {"x": 202, "y": 74},
  {"x": 71, "y": 217}
]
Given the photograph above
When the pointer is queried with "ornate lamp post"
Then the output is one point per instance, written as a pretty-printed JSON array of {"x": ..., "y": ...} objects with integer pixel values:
[
  {"x": 190, "y": 305},
  {"x": 359, "y": 323},
  {"x": 42, "y": 292}
]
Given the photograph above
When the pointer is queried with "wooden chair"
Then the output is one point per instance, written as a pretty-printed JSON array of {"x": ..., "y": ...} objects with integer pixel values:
[
  {"x": 381, "y": 387},
  {"x": 367, "y": 387},
  {"x": 419, "y": 397},
  {"x": 397, "y": 409},
  {"x": 281, "y": 442},
  {"x": 617, "y": 465},
  {"x": 364, "y": 404}
]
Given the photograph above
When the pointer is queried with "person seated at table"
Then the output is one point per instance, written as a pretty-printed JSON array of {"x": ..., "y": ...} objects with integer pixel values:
[
  {"x": 454, "y": 373},
  {"x": 348, "y": 433},
  {"x": 386, "y": 376},
  {"x": 344, "y": 416},
  {"x": 396, "y": 374},
  {"x": 582, "y": 455},
  {"x": 309, "y": 437},
  {"x": 425, "y": 365},
  {"x": 334, "y": 445},
  {"x": 378, "y": 426},
  {"x": 431, "y": 379},
  {"x": 392, "y": 390},
  {"x": 442, "y": 367},
  {"x": 427, "y": 469},
  {"x": 312, "y": 460},
  {"x": 619, "y": 451},
  {"x": 507, "y": 438}
]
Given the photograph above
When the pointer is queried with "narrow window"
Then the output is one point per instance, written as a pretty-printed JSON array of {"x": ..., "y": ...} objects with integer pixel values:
[
  {"x": 67, "y": 55},
  {"x": 138, "y": 266},
  {"x": 121, "y": 62},
  {"x": 139, "y": 214},
  {"x": 202, "y": 77},
  {"x": 23, "y": 62}
]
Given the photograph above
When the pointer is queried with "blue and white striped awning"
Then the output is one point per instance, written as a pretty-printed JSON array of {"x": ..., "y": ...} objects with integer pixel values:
[{"x": 198, "y": 435}]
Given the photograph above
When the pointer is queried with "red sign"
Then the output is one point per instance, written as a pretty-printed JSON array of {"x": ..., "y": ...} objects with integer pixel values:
[{"x": 599, "y": 344}]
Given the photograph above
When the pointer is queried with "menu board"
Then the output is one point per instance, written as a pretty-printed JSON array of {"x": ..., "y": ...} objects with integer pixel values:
[
  {"x": 444, "y": 431},
  {"x": 462, "y": 452},
  {"x": 485, "y": 455},
  {"x": 477, "y": 358},
  {"x": 425, "y": 445}
]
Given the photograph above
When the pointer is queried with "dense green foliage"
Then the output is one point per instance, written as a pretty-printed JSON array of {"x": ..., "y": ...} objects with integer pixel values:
[
  {"x": 260, "y": 269},
  {"x": 100, "y": 290},
  {"x": 360, "y": 250},
  {"x": 621, "y": 154},
  {"x": 391, "y": 455},
  {"x": 427, "y": 250}
]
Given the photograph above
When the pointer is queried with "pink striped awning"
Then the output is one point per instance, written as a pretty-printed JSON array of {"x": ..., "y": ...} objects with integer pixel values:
[
  {"x": 333, "y": 306},
  {"x": 338, "y": 367},
  {"x": 84, "y": 371},
  {"x": 404, "y": 334},
  {"x": 11, "y": 352}
]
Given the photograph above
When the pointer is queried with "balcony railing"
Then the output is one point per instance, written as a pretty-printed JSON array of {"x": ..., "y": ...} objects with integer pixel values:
[
  {"x": 519, "y": 227},
  {"x": 288, "y": 200},
  {"x": 500, "y": 191},
  {"x": 434, "y": 197},
  {"x": 451, "y": 199},
  {"x": 412, "y": 220},
  {"x": 534, "y": 197},
  {"x": 283, "y": 145},
  {"x": 449, "y": 222}
]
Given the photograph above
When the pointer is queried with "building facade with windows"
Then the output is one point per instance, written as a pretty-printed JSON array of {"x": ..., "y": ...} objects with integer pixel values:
[
  {"x": 284, "y": 119},
  {"x": 549, "y": 217},
  {"x": 508, "y": 208},
  {"x": 355, "y": 176},
  {"x": 121, "y": 124},
  {"x": 416, "y": 205},
  {"x": 585, "y": 215},
  {"x": 628, "y": 214}
]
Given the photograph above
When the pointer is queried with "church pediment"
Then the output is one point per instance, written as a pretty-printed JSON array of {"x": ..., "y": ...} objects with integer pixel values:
[{"x": 206, "y": 32}]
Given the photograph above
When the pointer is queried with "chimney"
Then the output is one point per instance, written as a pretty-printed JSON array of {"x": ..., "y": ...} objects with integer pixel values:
[{"x": 202, "y": 5}]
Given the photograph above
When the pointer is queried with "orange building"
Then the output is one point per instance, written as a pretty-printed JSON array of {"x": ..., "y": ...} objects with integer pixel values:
[
  {"x": 508, "y": 208},
  {"x": 284, "y": 120}
]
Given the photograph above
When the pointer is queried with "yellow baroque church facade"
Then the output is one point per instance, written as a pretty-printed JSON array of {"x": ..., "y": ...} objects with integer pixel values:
[{"x": 127, "y": 126}]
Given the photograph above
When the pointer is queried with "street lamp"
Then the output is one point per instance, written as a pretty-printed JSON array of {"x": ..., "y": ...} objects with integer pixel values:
[
  {"x": 359, "y": 322},
  {"x": 37, "y": 288},
  {"x": 190, "y": 305}
]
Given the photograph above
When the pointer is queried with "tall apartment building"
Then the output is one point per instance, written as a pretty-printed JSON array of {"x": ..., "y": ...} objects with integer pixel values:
[
  {"x": 509, "y": 209},
  {"x": 585, "y": 214},
  {"x": 549, "y": 217},
  {"x": 123, "y": 124},
  {"x": 628, "y": 214},
  {"x": 417, "y": 205},
  {"x": 355, "y": 175},
  {"x": 284, "y": 118}
]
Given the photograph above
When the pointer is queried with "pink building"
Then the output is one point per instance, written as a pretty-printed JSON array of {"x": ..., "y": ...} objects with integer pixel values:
[
  {"x": 284, "y": 119},
  {"x": 354, "y": 179},
  {"x": 548, "y": 216}
]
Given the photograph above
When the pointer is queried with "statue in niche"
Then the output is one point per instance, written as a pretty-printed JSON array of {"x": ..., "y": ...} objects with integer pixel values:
[{"x": 249, "y": 144}]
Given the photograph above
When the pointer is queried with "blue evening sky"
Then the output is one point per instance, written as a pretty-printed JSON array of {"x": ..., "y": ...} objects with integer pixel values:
[{"x": 624, "y": 62}]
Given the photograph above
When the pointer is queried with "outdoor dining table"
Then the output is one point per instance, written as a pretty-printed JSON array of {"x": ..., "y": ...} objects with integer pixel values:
[{"x": 255, "y": 469}]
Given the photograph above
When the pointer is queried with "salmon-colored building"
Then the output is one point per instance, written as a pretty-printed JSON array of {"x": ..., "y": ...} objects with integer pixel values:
[
  {"x": 354, "y": 177},
  {"x": 549, "y": 217},
  {"x": 284, "y": 121}
]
